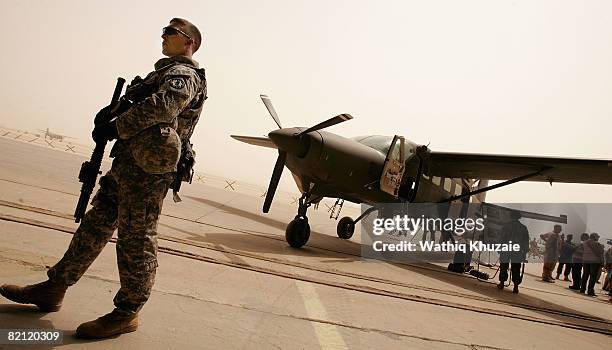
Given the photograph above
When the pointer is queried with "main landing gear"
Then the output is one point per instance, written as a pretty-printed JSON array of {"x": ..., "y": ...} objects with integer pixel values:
[
  {"x": 346, "y": 225},
  {"x": 298, "y": 230},
  {"x": 345, "y": 228}
]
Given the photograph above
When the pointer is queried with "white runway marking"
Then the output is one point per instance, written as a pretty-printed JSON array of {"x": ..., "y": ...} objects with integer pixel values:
[{"x": 328, "y": 335}]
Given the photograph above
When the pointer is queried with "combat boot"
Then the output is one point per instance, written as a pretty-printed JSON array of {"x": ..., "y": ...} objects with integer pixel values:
[
  {"x": 113, "y": 323},
  {"x": 515, "y": 289},
  {"x": 48, "y": 296}
]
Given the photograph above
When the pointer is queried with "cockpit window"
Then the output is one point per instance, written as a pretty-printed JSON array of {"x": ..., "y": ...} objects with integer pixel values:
[{"x": 377, "y": 142}]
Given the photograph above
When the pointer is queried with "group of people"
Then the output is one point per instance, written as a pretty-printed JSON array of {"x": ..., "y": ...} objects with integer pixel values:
[{"x": 584, "y": 261}]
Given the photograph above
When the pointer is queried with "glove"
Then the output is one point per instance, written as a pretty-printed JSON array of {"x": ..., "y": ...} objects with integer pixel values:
[
  {"x": 105, "y": 132},
  {"x": 102, "y": 115},
  {"x": 115, "y": 110}
]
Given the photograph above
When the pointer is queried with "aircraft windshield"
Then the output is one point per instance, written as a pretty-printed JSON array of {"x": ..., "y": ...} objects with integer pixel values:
[{"x": 377, "y": 142}]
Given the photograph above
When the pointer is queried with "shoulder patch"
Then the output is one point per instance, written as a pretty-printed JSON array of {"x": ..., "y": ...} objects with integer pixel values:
[{"x": 177, "y": 83}]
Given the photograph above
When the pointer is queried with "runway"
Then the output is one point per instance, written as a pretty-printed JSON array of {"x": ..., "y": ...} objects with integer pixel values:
[{"x": 227, "y": 278}]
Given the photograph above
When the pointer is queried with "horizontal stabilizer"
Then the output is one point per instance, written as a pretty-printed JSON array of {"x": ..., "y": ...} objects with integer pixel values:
[{"x": 255, "y": 140}]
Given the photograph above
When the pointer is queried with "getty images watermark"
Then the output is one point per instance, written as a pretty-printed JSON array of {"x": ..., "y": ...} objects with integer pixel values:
[
  {"x": 404, "y": 225},
  {"x": 475, "y": 231}
]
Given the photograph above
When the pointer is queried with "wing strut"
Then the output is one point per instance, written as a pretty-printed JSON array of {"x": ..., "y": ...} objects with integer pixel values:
[{"x": 501, "y": 184}]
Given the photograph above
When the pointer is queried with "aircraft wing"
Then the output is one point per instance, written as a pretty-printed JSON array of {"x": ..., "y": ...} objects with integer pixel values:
[
  {"x": 255, "y": 140},
  {"x": 506, "y": 167}
]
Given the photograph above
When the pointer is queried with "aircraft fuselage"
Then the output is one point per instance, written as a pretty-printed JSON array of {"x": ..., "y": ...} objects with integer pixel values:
[{"x": 339, "y": 167}]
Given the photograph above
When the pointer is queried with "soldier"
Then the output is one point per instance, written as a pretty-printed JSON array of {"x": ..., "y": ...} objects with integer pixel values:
[
  {"x": 592, "y": 258},
  {"x": 515, "y": 232},
  {"x": 551, "y": 253},
  {"x": 565, "y": 258},
  {"x": 149, "y": 134},
  {"x": 577, "y": 263}
]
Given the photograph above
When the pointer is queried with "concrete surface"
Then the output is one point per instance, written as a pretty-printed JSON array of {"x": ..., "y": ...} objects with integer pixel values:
[{"x": 227, "y": 279}]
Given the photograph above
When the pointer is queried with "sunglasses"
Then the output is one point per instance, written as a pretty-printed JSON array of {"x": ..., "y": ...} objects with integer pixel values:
[{"x": 173, "y": 31}]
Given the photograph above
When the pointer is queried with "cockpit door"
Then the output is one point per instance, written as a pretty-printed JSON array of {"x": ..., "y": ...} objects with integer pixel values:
[{"x": 394, "y": 167}]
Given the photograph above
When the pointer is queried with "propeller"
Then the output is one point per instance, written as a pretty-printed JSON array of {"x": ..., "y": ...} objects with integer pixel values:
[
  {"x": 297, "y": 144},
  {"x": 276, "y": 174}
]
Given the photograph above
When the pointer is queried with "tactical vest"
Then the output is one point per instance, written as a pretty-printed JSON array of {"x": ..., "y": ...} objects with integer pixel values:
[
  {"x": 139, "y": 89},
  {"x": 181, "y": 128}
]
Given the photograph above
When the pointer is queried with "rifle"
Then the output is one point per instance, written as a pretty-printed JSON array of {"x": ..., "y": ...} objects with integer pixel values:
[{"x": 91, "y": 169}]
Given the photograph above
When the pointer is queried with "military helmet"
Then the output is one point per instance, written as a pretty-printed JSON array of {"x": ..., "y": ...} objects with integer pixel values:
[{"x": 187, "y": 28}]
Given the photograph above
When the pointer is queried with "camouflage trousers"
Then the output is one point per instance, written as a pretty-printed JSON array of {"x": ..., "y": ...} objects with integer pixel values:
[{"x": 129, "y": 200}]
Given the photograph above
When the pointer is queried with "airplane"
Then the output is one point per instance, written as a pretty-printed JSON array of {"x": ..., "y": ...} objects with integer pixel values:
[
  {"x": 53, "y": 136},
  {"x": 377, "y": 169}
]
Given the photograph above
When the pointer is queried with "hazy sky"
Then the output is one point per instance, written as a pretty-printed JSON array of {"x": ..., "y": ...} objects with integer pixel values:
[{"x": 514, "y": 77}]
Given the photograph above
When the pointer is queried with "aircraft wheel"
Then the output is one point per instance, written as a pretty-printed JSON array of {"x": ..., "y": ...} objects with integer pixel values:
[
  {"x": 297, "y": 232},
  {"x": 346, "y": 228}
]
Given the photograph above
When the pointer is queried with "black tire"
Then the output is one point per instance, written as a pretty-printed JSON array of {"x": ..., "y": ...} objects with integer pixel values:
[
  {"x": 345, "y": 228},
  {"x": 297, "y": 232}
]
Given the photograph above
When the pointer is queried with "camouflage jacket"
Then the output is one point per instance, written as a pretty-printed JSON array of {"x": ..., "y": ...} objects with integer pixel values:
[
  {"x": 154, "y": 127},
  {"x": 552, "y": 246}
]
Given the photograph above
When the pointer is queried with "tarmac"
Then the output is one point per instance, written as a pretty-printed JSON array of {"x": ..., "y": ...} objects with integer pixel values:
[{"x": 227, "y": 278}]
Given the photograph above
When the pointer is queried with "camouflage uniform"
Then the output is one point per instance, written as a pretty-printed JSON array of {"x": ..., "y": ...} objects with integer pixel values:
[
  {"x": 131, "y": 193},
  {"x": 551, "y": 254}
]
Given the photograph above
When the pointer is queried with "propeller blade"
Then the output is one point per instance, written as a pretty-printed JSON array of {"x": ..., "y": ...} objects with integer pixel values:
[
  {"x": 266, "y": 100},
  {"x": 276, "y": 174},
  {"x": 255, "y": 140},
  {"x": 329, "y": 122}
]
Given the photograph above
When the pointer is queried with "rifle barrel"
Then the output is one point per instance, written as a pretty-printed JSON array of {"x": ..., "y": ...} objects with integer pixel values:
[{"x": 90, "y": 169}]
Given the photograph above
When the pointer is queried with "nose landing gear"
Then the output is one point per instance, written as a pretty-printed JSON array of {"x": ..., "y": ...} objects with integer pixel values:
[{"x": 298, "y": 230}]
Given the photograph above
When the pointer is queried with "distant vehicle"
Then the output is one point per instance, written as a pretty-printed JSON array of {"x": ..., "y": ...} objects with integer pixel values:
[
  {"x": 385, "y": 169},
  {"x": 53, "y": 136}
]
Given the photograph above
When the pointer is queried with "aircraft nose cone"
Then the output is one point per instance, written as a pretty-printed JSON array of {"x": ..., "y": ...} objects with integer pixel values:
[
  {"x": 283, "y": 139},
  {"x": 286, "y": 140}
]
